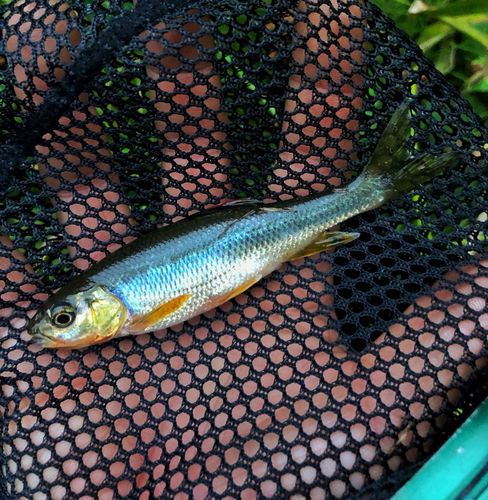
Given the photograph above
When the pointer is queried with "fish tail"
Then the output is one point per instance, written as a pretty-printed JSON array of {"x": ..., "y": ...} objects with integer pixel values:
[
  {"x": 421, "y": 170},
  {"x": 390, "y": 159}
]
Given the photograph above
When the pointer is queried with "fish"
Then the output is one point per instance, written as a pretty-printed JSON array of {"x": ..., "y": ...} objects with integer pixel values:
[{"x": 188, "y": 267}]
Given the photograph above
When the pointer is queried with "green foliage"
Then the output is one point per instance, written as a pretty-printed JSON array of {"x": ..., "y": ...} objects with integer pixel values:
[{"x": 454, "y": 35}]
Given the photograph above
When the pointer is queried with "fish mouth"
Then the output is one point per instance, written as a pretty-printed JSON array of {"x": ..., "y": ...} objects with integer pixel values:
[
  {"x": 41, "y": 339},
  {"x": 38, "y": 336},
  {"x": 45, "y": 341}
]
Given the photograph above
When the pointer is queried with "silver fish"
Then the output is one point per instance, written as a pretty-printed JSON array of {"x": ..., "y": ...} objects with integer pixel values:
[{"x": 196, "y": 264}]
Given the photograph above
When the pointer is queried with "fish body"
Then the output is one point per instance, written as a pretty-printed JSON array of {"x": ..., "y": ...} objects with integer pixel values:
[{"x": 191, "y": 266}]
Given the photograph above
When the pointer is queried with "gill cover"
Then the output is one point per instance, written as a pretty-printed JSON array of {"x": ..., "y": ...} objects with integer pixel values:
[{"x": 80, "y": 319}]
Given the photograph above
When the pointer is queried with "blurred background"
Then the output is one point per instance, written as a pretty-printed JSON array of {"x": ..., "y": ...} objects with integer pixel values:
[{"x": 454, "y": 35}]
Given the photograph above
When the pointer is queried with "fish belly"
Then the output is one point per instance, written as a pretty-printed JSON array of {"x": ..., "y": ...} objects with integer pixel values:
[{"x": 169, "y": 294}]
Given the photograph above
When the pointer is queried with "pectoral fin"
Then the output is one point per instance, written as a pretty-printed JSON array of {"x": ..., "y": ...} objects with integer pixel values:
[
  {"x": 324, "y": 242},
  {"x": 145, "y": 321}
]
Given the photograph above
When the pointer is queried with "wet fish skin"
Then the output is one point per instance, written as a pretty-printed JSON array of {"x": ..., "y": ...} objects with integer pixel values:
[{"x": 188, "y": 267}]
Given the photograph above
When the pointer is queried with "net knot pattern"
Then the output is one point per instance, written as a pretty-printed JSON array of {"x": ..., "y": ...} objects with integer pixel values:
[{"x": 329, "y": 378}]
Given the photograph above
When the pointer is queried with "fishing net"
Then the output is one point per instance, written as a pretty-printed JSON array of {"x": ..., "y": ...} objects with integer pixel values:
[{"x": 335, "y": 376}]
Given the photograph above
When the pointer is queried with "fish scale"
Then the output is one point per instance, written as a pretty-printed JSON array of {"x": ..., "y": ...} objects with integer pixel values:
[
  {"x": 186, "y": 268},
  {"x": 255, "y": 245}
]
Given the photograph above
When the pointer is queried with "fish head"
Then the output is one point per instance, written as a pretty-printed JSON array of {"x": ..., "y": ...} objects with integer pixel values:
[{"x": 80, "y": 319}]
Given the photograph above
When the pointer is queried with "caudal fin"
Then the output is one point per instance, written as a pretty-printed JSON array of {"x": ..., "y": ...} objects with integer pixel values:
[
  {"x": 421, "y": 170},
  {"x": 389, "y": 160}
]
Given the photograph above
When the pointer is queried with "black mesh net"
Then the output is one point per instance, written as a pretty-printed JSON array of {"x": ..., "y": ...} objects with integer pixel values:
[{"x": 325, "y": 378}]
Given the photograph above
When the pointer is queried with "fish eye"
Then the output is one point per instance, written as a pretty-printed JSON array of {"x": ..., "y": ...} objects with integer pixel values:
[
  {"x": 63, "y": 319},
  {"x": 63, "y": 315}
]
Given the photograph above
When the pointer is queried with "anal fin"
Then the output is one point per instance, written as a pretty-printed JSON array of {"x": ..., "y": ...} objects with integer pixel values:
[
  {"x": 324, "y": 242},
  {"x": 162, "y": 311}
]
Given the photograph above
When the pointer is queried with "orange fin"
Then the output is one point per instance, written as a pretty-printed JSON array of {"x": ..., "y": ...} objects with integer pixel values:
[
  {"x": 156, "y": 315},
  {"x": 324, "y": 242}
]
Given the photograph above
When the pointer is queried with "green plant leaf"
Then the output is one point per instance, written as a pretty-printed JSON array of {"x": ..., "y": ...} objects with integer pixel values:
[
  {"x": 460, "y": 8},
  {"x": 472, "y": 25},
  {"x": 446, "y": 58},
  {"x": 479, "y": 106},
  {"x": 478, "y": 82},
  {"x": 481, "y": 86},
  {"x": 434, "y": 34}
]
